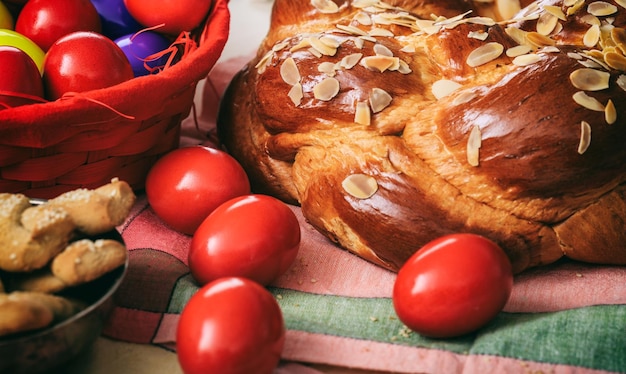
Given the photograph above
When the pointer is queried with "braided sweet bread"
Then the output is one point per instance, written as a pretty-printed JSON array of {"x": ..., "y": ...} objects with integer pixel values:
[{"x": 393, "y": 123}]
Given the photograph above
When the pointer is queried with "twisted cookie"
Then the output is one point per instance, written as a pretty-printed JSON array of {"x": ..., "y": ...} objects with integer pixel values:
[
  {"x": 99, "y": 210},
  {"x": 85, "y": 260},
  {"x": 80, "y": 262},
  {"x": 26, "y": 311},
  {"x": 393, "y": 123},
  {"x": 30, "y": 236}
]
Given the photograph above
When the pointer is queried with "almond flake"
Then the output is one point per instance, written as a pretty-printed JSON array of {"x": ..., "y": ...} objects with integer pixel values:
[
  {"x": 381, "y": 50},
  {"x": 484, "y": 54},
  {"x": 384, "y": 5},
  {"x": 591, "y": 20},
  {"x": 480, "y": 35},
  {"x": 359, "y": 42},
  {"x": 404, "y": 68},
  {"x": 518, "y": 50},
  {"x": 262, "y": 64},
  {"x": 558, "y": 28},
  {"x": 539, "y": 40},
  {"x": 349, "y": 61},
  {"x": 444, "y": 87},
  {"x": 315, "y": 52},
  {"x": 379, "y": 63},
  {"x": 327, "y": 68},
  {"x": 374, "y": 9},
  {"x": 368, "y": 38},
  {"x": 432, "y": 30},
  {"x": 402, "y": 19},
  {"x": 575, "y": 7},
  {"x": 621, "y": 3},
  {"x": 303, "y": 44},
  {"x": 618, "y": 35},
  {"x": 574, "y": 55},
  {"x": 517, "y": 34},
  {"x": 610, "y": 113},
  {"x": 326, "y": 89},
  {"x": 595, "y": 61},
  {"x": 591, "y": 103},
  {"x": 364, "y": 3},
  {"x": 427, "y": 26},
  {"x": 351, "y": 30},
  {"x": 362, "y": 114},
  {"x": 615, "y": 60},
  {"x": 289, "y": 72},
  {"x": 474, "y": 142},
  {"x": 585, "y": 137},
  {"x": 508, "y": 8},
  {"x": 546, "y": 23},
  {"x": 486, "y": 21},
  {"x": 330, "y": 41},
  {"x": 601, "y": 8},
  {"x": 555, "y": 11},
  {"x": 363, "y": 18},
  {"x": 279, "y": 46},
  {"x": 621, "y": 82},
  {"x": 377, "y": 31},
  {"x": 525, "y": 60},
  {"x": 592, "y": 36},
  {"x": 455, "y": 24},
  {"x": 593, "y": 53},
  {"x": 361, "y": 186},
  {"x": 569, "y": 2},
  {"x": 379, "y": 99},
  {"x": 325, "y": 6},
  {"x": 592, "y": 64},
  {"x": 396, "y": 64},
  {"x": 590, "y": 79},
  {"x": 296, "y": 94},
  {"x": 322, "y": 47},
  {"x": 531, "y": 13},
  {"x": 464, "y": 97},
  {"x": 550, "y": 49},
  {"x": 452, "y": 20},
  {"x": 408, "y": 48}
]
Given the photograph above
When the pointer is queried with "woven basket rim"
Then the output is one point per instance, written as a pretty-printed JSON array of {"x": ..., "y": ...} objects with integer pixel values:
[{"x": 199, "y": 62}]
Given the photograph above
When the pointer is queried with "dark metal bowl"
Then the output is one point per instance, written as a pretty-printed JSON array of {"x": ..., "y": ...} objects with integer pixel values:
[{"x": 44, "y": 350}]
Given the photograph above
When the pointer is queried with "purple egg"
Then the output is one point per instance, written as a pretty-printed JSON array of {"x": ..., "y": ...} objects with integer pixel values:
[
  {"x": 138, "y": 47},
  {"x": 116, "y": 21}
]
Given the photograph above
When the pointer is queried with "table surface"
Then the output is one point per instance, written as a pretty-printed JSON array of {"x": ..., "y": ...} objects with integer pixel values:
[
  {"x": 549, "y": 326},
  {"x": 111, "y": 356}
]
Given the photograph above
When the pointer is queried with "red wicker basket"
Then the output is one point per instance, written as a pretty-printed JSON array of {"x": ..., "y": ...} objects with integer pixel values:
[{"x": 120, "y": 131}]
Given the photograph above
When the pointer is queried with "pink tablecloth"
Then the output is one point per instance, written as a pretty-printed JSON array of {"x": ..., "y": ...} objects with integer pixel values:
[{"x": 564, "y": 318}]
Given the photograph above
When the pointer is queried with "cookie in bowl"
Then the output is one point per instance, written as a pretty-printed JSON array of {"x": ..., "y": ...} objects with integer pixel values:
[{"x": 60, "y": 264}]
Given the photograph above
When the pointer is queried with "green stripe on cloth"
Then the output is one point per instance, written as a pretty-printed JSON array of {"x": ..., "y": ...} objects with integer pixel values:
[
  {"x": 360, "y": 318},
  {"x": 183, "y": 290},
  {"x": 592, "y": 337}
]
